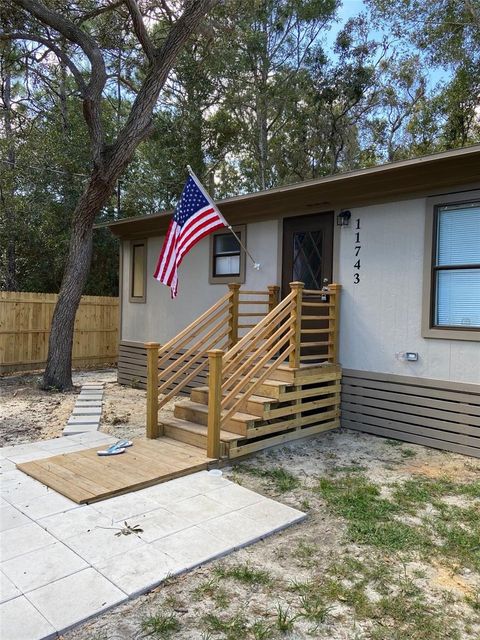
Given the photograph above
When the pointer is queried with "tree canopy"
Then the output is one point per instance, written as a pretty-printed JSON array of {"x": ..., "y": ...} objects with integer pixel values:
[{"x": 263, "y": 94}]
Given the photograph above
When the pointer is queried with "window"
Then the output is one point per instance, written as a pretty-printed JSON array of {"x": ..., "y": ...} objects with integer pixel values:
[
  {"x": 454, "y": 296},
  {"x": 227, "y": 257},
  {"x": 138, "y": 271}
]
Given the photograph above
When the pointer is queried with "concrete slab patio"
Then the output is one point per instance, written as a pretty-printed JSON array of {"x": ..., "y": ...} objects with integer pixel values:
[{"x": 62, "y": 563}]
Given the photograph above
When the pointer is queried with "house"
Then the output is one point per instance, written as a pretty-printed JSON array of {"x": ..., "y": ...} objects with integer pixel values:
[{"x": 403, "y": 242}]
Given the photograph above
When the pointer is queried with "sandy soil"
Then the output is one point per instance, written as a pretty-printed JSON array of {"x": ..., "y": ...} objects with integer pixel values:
[{"x": 306, "y": 553}]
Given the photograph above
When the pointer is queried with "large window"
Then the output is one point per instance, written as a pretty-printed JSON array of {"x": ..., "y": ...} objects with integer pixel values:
[
  {"x": 454, "y": 296},
  {"x": 138, "y": 271},
  {"x": 227, "y": 256}
]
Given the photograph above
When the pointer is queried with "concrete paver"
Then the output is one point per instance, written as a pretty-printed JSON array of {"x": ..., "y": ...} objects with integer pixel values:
[{"x": 62, "y": 563}]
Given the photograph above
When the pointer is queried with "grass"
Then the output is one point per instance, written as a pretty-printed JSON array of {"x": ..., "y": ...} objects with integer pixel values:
[
  {"x": 211, "y": 589},
  {"x": 161, "y": 625},
  {"x": 244, "y": 573},
  {"x": 371, "y": 518},
  {"x": 282, "y": 480},
  {"x": 233, "y": 627},
  {"x": 285, "y": 620}
]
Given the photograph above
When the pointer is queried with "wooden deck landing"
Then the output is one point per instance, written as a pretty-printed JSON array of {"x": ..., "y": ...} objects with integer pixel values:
[{"x": 85, "y": 477}]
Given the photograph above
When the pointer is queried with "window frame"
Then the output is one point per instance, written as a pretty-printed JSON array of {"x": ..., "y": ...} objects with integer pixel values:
[
  {"x": 131, "y": 297},
  {"x": 429, "y": 329},
  {"x": 240, "y": 230}
]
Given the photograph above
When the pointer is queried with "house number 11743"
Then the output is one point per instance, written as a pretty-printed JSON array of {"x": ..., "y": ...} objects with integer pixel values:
[{"x": 357, "y": 249}]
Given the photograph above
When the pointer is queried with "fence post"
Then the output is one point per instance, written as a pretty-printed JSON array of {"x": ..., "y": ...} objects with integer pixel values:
[
  {"x": 273, "y": 294},
  {"x": 214, "y": 402},
  {"x": 152, "y": 389},
  {"x": 296, "y": 323},
  {"x": 334, "y": 322},
  {"x": 233, "y": 314}
]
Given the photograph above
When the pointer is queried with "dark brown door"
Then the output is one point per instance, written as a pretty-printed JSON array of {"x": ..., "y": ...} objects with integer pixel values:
[
  {"x": 307, "y": 251},
  {"x": 307, "y": 257}
]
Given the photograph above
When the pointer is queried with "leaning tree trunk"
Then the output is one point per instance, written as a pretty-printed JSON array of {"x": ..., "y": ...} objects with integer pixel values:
[{"x": 58, "y": 372}]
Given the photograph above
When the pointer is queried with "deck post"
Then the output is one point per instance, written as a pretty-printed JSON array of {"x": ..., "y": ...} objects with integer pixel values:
[
  {"x": 233, "y": 314},
  {"x": 273, "y": 295},
  {"x": 334, "y": 322},
  {"x": 152, "y": 389},
  {"x": 214, "y": 402},
  {"x": 296, "y": 323}
]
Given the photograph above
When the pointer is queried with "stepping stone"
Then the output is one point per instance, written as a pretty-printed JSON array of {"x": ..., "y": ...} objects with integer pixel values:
[
  {"x": 84, "y": 419},
  {"x": 87, "y": 411},
  {"x": 78, "y": 429}
]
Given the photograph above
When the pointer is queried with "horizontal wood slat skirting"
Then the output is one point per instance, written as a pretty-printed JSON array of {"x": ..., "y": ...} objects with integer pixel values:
[
  {"x": 132, "y": 367},
  {"x": 436, "y": 413}
]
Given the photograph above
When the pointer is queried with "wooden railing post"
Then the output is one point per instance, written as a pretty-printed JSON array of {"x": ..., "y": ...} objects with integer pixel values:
[
  {"x": 296, "y": 323},
  {"x": 233, "y": 314},
  {"x": 214, "y": 402},
  {"x": 273, "y": 295},
  {"x": 334, "y": 322},
  {"x": 152, "y": 389}
]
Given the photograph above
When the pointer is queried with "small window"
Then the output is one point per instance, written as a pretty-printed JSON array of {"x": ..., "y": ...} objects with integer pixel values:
[
  {"x": 453, "y": 294},
  {"x": 138, "y": 272},
  {"x": 227, "y": 257}
]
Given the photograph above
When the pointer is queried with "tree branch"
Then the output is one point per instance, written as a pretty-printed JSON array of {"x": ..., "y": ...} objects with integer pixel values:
[
  {"x": 98, "y": 12},
  {"x": 61, "y": 55},
  {"x": 140, "y": 29},
  {"x": 74, "y": 34}
]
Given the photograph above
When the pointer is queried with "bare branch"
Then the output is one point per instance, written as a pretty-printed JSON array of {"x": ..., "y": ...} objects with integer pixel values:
[
  {"x": 140, "y": 29},
  {"x": 73, "y": 33},
  {"x": 61, "y": 55}
]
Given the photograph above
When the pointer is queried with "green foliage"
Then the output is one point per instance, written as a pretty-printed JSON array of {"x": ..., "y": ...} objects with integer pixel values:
[
  {"x": 233, "y": 627},
  {"x": 257, "y": 99},
  {"x": 161, "y": 625},
  {"x": 280, "y": 478},
  {"x": 243, "y": 573}
]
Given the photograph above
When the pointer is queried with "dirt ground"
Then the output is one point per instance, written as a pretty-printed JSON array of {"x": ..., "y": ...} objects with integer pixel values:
[{"x": 390, "y": 549}]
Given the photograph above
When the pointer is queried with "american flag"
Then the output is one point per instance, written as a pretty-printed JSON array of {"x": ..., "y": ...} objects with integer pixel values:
[{"x": 195, "y": 217}]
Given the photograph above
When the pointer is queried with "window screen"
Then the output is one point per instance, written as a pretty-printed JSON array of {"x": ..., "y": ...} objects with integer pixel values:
[{"x": 456, "y": 267}]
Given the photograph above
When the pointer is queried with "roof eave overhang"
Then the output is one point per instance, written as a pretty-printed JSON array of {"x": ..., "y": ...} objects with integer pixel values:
[{"x": 395, "y": 181}]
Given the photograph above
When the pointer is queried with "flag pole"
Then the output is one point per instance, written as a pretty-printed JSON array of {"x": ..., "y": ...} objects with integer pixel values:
[{"x": 256, "y": 265}]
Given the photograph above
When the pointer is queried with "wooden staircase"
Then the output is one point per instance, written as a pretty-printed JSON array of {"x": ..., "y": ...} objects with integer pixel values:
[{"x": 259, "y": 392}]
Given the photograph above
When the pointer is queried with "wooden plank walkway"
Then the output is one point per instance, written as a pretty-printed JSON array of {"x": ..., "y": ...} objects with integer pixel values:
[{"x": 85, "y": 477}]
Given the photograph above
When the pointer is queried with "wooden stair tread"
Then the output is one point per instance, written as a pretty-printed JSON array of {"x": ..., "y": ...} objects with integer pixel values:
[
  {"x": 199, "y": 429},
  {"x": 254, "y": 398},
  {"x": 238, "y": 415}
]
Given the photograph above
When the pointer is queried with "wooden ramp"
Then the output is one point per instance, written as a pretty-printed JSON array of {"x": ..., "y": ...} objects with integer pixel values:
[{"x": 85, "y": 477}]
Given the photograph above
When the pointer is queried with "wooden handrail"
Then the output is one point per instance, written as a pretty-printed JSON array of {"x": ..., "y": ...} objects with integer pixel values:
[
  {"x": 194, "y": 348},
  {"x": 330, "y": 301},
  {"x": 265, "y": 322},
  {"x": 168, "y": 345},
  {"x": 255, "y": 336}
]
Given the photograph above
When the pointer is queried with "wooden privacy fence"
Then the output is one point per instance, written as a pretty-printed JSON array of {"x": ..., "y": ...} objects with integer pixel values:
[{"x": 25, "y": 322}]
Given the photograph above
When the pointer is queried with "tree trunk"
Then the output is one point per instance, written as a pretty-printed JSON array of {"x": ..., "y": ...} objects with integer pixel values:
[
  {"x": 11, "y": 283},
  {"x": 58, "y": 372}
]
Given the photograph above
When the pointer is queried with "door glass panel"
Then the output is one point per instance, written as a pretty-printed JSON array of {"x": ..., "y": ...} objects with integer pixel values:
[{"x": 307, "y": 258}]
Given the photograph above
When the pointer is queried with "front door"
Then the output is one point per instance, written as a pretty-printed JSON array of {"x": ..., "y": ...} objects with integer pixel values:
[
  {"x": 307, "y": 251},
  {"x": 307, "y": 257}
]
